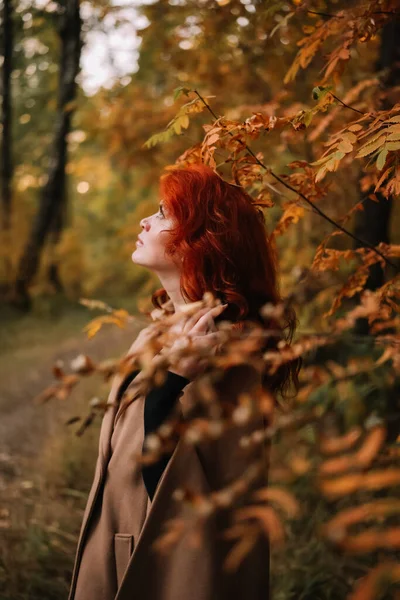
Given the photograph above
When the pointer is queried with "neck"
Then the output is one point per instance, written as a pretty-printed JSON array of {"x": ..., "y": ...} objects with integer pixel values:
[{"x": 171, "y": 283}]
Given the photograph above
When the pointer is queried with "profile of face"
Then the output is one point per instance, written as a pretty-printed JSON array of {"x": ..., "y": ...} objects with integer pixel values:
[{"x": 150, "y": 246}]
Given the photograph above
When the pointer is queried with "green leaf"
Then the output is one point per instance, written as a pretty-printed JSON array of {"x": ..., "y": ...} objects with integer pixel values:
[
  {"x": 179, "y": 91},
  {"x": 320, "y": 91},
  {"x": 308, "y": 116},
  {"x": 181, "y": 122},
  {"x": 380, "y": 161},
  {"x": 321, "y": 161},
  {"x": 159, "y": 138}
]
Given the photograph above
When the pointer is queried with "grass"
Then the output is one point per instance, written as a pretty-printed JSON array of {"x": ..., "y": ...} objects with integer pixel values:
[
  {"x": 43, "y": 493},
  {"x": 51, "y": 319},
  {"x": 45, "y": 512}
]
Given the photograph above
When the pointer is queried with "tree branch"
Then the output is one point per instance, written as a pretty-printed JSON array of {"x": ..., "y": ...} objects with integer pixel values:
[{"x": 298, "y": 193}]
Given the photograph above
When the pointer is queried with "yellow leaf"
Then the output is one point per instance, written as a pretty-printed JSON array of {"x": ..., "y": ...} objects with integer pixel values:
[
  {"x": 184, "y": 121},
  {"x": 393, "y": 137},
  {"x": 393, "y": 129},
  {"x": 393, "y": 146},
  {"x": 382, "y": 179},
  {"x": 381, "y": 160},
  {"x": 355, "y": 127},
  {"x": 368, "y": 148},
  {"x": 321, "y": 174},
  {"x": 345, "y": 146}
]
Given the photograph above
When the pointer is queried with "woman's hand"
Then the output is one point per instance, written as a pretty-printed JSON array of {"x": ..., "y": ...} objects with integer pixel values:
[
  {"x": 202, "y": 332},
  {"x": 142, "y": 339}
]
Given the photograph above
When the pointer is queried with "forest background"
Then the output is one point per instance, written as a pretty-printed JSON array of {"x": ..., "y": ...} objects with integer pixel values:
[{"x": 296, "y": 101}]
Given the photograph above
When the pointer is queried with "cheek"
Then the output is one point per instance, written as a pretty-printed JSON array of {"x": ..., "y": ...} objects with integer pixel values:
[
  {"x": 162, "y": 238},
  {"x": 154, "y": 246}
]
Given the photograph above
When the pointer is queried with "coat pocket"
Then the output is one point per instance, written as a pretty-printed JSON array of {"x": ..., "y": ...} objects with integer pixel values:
[{"x": 123, "y": 548}]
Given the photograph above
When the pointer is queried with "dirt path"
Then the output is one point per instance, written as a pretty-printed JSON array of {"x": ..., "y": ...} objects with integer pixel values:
[
  {"x": 45, "y": 471},
  {"x": 24, "y": 425}
]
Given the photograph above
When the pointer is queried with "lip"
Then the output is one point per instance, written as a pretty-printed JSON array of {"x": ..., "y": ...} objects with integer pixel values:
[{"x": 139, "y": 242}]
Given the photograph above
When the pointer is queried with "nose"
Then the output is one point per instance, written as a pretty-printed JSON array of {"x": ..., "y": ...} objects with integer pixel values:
[{"x": 144, "y": 224}]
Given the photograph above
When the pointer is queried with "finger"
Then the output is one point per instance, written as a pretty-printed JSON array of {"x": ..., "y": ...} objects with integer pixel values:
[
  {"x": 207, "y": 319},
  {"x": 211, "y": 325},
  {"x": 193, "y": 320},
  {"x": 208, "y": 339}
]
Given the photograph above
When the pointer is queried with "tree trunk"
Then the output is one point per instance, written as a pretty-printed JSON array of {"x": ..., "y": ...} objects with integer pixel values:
[
  {"x": 52, "y": 197},
  {"x": 57, "y": 227},
  {"x": 373, "y": 223},
  {"x": 6, "y": 167}
]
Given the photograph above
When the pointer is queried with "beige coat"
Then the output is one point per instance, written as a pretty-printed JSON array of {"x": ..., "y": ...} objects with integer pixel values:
[{"x": 115, "y": 558}]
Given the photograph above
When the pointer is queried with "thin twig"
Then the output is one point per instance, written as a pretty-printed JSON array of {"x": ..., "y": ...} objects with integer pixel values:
[
  {"x": 347, "y": 105},
  {"x": 309, "y": 202},
  {"x": 322, "y": 14},
  {"x": 386, "y": 12},
  {"x": 331, "y": 16}
]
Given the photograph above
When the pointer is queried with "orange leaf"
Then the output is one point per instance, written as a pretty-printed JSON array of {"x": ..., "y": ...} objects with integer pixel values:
[
  {"x": 335, "y": 529},
  {"x": 338, "y": 444},
  {"x": 284, "y": 500},
  {"x": 371, "y": 446},
  {"x": 370, "y": 584},
  {"x": 267, "y": 518},
  {"x": 293, "y": 213},
  {"x": 336, "y": 488},
  {"x": 239, "y": 552}
]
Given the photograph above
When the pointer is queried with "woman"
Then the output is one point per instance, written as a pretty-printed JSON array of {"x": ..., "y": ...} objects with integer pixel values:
[{"x": 207, "y": 235}]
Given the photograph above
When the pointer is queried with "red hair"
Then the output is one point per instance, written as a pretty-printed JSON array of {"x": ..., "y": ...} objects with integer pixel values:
[{"x": 221, "y": 235}]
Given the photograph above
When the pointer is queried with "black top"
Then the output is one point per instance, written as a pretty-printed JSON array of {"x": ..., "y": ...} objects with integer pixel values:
[{"x": 158, "y": 405}]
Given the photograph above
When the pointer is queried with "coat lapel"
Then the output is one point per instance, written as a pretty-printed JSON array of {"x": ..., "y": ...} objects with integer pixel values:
[
  {"x": 165, "y": 486},
  {"x": 104, "y": 449},
  {"x": 183, "y": 461}
]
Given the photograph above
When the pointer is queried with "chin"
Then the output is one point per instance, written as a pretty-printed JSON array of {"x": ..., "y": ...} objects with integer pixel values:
[{"x": 136, "y": 258}]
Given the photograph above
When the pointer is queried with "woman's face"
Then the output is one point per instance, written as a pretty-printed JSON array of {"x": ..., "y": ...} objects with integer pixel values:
[{"x": 150, "y": 247}]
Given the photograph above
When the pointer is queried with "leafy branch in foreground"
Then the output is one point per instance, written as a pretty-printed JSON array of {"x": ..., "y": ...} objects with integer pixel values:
[
  {"x": 179, "y": 122},
  {"x": 347, "y": 461},
  {"x": 302, "y": 196}
]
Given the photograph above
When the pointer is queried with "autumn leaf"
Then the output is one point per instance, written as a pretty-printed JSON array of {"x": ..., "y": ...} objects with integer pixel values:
[
  {"x": 292, "y": 214},
  {"x": 377, "y": 578},
  {"x": 119, "y": 317}
]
